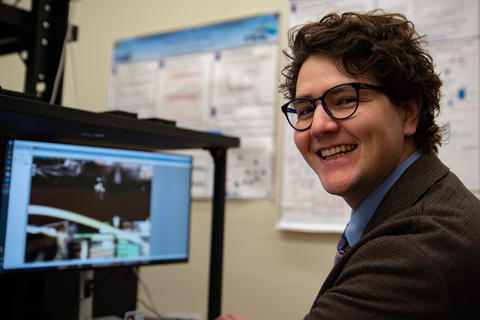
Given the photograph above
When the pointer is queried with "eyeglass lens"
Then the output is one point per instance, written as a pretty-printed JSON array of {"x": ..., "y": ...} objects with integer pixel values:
[{"x": 341, "y": 102}]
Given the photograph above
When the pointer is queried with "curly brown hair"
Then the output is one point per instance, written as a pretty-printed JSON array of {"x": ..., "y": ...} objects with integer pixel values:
[{"x": 382, "y": 46}]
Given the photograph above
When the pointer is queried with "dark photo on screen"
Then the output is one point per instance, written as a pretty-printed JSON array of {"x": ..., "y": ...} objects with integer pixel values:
[{"x": 112, "y": 194}]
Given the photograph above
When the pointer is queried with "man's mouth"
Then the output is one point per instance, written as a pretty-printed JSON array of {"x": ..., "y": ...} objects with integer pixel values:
[{"x": 336, "y": 152}]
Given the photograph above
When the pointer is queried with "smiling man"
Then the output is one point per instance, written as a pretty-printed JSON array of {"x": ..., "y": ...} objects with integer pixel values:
[
  {"x": 363, "y": 96},
  {"x": 352, "y": 148}
]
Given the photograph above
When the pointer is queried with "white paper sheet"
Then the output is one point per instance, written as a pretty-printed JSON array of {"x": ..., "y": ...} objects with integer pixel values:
[
  {"x": 457, "y": 62},
  {"x": 182, "y": 89},
  {"x": 219, "y": 78}
]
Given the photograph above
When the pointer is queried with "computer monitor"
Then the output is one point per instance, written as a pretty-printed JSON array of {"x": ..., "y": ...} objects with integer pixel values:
[{"x": 66, "y": 206}]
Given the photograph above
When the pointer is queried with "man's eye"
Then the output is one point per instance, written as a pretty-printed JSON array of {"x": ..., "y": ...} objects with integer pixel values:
[
  {"x": 346, "y": 101},
  {"x": 304, "y": 111}
]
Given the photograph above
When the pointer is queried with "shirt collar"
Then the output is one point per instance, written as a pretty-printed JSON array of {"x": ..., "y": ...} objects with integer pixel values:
[{"x": 361, "y": 216}]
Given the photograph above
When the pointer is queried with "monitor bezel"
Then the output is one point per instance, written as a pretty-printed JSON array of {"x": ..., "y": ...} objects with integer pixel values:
[{"x": 85, "y": 266}]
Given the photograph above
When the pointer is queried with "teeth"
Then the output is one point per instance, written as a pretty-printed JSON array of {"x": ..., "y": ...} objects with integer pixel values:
[{"x": 336, "y": 150}]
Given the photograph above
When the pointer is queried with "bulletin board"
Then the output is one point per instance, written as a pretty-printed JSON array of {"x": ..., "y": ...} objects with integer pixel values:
[
  {"x": 452, "y": 31},
  {"x": 217, "y": 78}
]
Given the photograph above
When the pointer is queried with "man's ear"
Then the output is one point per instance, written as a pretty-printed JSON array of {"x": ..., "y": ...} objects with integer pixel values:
[{"x": 412, "y": 109}]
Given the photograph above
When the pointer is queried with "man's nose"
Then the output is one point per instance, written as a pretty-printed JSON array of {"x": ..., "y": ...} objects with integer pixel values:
[{"x": 322, "y": 123}]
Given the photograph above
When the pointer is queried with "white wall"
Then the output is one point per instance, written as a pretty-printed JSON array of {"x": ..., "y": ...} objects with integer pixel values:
[{"x": 268, "y": 274}]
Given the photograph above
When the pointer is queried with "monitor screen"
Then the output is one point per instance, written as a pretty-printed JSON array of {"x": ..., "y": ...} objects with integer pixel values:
[{"x": 69, "y": 206}]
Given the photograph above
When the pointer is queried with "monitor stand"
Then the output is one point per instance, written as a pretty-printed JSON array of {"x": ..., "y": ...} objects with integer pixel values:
[{"x": 107, "y": 293}]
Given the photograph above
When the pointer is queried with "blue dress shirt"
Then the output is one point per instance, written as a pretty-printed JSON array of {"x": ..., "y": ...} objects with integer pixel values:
[{"x": 360, "y": 217}]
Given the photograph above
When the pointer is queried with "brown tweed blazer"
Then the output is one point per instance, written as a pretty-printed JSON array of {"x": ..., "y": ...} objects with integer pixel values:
[{"x": 418, "y": 258}]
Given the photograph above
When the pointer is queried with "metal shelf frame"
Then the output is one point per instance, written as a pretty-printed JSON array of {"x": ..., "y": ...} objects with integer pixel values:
[{"x": 40, "y": 33}]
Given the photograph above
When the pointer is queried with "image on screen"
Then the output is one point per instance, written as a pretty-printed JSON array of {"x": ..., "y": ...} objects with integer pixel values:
[{"x": 81, "y": 209}]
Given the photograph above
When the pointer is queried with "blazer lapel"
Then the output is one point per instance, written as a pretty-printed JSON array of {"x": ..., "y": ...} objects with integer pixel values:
[{"x": 409, "y": 188}]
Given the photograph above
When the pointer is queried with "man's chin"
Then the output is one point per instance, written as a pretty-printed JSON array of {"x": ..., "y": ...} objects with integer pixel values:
[{"x": 335, "y": 188}]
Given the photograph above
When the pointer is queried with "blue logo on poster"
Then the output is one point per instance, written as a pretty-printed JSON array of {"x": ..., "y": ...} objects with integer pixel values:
[{"x": 260, "y": 34}]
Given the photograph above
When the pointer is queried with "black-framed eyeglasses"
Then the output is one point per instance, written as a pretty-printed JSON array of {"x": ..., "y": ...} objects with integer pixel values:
[{"x": 339, "y": 102}]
